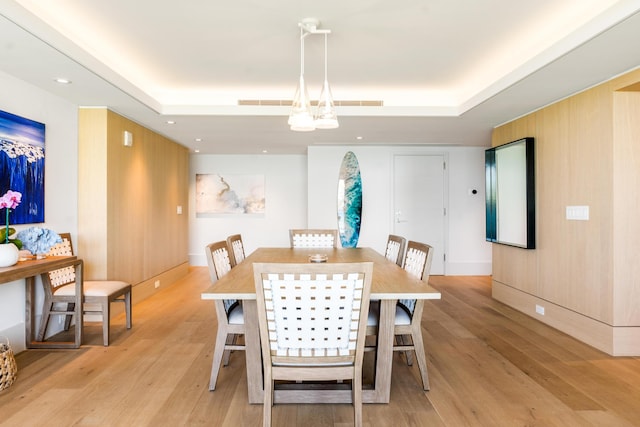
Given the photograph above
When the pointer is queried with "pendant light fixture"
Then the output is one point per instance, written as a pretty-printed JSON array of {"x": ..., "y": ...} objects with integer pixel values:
[
  {"x": 326, "y": 117},
  {"x": 301, "y": 118}
]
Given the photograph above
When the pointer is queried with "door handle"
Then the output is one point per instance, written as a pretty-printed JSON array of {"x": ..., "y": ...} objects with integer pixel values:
[{"x": 398, "y": 217}]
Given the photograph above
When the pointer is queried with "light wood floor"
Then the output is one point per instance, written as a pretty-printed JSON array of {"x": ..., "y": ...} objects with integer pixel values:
[{"x": 489, "y": 366}]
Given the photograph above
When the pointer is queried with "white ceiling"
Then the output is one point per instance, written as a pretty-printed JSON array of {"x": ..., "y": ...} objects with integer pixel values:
[{"x": 446, "y": 71}]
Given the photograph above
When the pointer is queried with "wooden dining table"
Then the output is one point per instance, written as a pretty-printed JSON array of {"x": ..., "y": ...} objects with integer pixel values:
[{"x": 389, "y": 283}]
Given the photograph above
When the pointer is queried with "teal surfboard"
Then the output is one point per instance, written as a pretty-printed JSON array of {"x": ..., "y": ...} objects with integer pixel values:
[{"x": 349, "y": 201}]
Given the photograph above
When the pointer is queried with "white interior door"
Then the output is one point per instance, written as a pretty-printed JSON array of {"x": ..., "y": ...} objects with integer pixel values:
[{"x": 419, "y": 203}]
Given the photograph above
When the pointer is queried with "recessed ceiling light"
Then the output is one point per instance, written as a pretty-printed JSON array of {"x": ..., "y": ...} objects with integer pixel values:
[
  {"x": 63, "y": 81},
  {"x": 264, "y": 151},
  {"x": 198, "y": 139},
  {"x": 197, "y": 150},
  {"x": 358, "y": 138},
  {"x": 171, "y": 122}
]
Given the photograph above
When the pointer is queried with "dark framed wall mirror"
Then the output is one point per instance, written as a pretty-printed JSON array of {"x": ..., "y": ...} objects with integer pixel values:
[{"x": 510, "y": 194}]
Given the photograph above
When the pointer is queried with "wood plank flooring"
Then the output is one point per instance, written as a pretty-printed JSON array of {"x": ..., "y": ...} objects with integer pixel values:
[{"x": 489, "y": 365}]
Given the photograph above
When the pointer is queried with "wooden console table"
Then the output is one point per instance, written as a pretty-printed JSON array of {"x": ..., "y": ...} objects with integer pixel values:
[{"x": 28, "y": 270}]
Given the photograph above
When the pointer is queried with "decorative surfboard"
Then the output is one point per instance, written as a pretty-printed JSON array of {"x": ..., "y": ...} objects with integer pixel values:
[{"x": 349, "y": 201}]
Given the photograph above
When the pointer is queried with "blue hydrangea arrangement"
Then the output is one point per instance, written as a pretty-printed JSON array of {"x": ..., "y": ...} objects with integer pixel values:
[{"x": 38, "y": 240}]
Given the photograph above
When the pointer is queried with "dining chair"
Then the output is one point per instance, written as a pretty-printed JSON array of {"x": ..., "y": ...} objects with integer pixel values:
[
  {"x": 59, "y": 287},
  {"x": 228, "y": 312},
  {"x": 407, "y": 326},
  {"x": 313, "y": 238},
  {"x": 236, "y": 249},
  {"x": 395, "y": 249},
  {"x": 312, "y": 320}
]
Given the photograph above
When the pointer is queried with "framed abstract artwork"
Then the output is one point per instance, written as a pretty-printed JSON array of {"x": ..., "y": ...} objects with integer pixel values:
[
  {"x": 229, "y": 194},
  {"x": 22, "y": 166}
]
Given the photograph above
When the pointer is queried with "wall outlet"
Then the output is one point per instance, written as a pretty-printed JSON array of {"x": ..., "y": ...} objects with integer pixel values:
[
  {"x": 157, "y": 284},
  {"x": 540, "y": 310}
]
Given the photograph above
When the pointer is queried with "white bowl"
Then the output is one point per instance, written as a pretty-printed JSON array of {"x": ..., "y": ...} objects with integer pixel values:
[{"x": 318, "y": 258}]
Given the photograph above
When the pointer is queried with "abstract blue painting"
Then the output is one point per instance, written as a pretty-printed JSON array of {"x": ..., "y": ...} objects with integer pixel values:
[
  {"x": 22, "y": 166},
  {"x": 349, "y": 201}
]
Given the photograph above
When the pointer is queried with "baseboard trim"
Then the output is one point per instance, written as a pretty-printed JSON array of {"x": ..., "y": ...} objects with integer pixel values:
[
  {"x": 145, "y": 289},
  {"x": 468, "y": 268},
  {"x": 615, "y": 341}
]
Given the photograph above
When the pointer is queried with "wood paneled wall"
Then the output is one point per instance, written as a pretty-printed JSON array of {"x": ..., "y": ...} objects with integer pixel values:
[
  {"x": 585, "y": 273},
  {"x": 129, "y": 228}
]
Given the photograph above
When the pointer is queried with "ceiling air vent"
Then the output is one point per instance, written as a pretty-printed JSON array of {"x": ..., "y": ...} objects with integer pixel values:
[{"x": 288, "y": 102}]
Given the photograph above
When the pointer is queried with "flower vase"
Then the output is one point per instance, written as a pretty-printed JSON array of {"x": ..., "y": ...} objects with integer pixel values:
[{"x": 8, "y": 254}]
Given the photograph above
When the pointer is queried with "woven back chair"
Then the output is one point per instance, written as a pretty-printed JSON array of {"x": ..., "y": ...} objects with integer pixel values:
[
  {"x": 312, "y": 320},
  {"x": 313, "y": 238},
  {"x": 395, "y": 249},
  {"x": 236, "y": 249},
  {"x": 228, "y": 312},
  {"x": 59, "y": 287},
  {"x": 407, "y": 327}
]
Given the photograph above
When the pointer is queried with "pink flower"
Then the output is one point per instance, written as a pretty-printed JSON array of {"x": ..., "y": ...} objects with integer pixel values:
[{"x": 11, "y": 199}]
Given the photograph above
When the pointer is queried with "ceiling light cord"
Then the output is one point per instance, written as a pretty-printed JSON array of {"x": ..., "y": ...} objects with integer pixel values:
[
  {"x": 325, "y": 57},
  {"x": 302, "y": 36}
]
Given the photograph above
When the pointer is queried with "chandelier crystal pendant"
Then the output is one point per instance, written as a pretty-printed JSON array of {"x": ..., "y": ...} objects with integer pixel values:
[{"x": 301, "y": 118}]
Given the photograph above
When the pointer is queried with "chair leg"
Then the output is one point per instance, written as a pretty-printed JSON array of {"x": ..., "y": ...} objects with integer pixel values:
[
  {"x": 231, "y": 340},
  {"x": 357, "y": 399},
  {"x": 127, "y": 308},
  {"x": 267, "y": 404},
  {"x": 105, "y": 321},
  {"x": 407, "y": 340},
  {"x": 218, "y": 352},
  {"x": 67, "y": 319},
  {"x": 44, "y": 321},
  {"x": 404, "y": 340},
  {"x": 421, "y": 357}
]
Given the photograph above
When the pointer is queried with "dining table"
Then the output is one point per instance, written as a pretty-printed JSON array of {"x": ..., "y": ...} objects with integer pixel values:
[{"x": 389, "y": 283}]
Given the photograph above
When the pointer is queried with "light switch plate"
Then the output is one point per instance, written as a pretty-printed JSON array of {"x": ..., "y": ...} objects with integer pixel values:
[{"x": 578, "y": 213}]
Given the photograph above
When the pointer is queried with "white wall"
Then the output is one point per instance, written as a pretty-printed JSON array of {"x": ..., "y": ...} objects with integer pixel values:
[
  {"x": 61, "y": 182},
  {"x": 286, "y": 202},
  {"x": 301, "y": 192},
  {"x": 467, "y": 251}
]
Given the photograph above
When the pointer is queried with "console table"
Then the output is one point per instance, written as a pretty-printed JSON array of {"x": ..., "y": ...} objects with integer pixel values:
[{"x": 28, "y": 270}]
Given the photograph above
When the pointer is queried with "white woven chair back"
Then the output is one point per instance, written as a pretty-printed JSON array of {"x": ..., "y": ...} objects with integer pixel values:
[
  {"x": 313, "y": 240},
  {"x": 222, "y": 265},
  {"x": 61, "y": 249},
  {"x": 393, "y": 250},
  {"x": 414, "y": 262},
  {"x": 238, "y": 250},
  {"x": 312, "y": 315},
  {"x": 66, "y": 275},
  {"x": 221, "y": 261}
]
